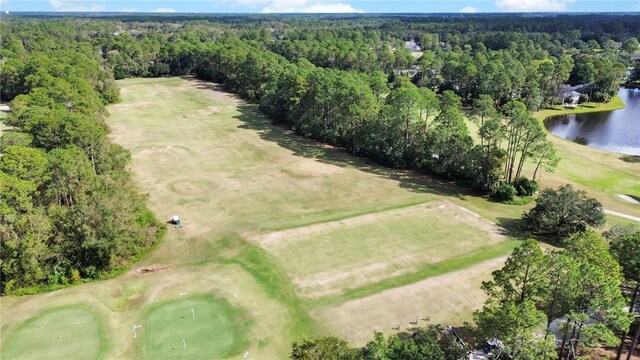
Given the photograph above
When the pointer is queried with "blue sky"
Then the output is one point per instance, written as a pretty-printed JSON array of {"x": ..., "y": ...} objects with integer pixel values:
[{"x": 325, "y": 6}]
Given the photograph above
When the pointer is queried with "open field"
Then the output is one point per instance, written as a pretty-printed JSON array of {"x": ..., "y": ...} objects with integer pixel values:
[
  {"x": 335, "y": 257},
  {"x": 284, "y": 238},
  {"x": 458, "y": 294}
]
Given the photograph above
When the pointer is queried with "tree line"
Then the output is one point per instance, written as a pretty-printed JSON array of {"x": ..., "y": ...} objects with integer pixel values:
[{"x": 69, "y": 210}]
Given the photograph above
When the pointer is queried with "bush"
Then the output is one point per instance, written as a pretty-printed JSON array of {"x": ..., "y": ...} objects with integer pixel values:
[
  {"x": 563, "y": 212},
  {"x": 582, "y": 140},
  {"x": 526, "y": 187},
  {"x": 14, "y": 138},
  {"x": 505, "y": 192},
  {"x": 75, "y": 276}
]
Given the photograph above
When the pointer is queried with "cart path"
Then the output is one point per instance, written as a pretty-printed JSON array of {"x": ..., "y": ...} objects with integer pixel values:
[{"x": 622, "y": 215}]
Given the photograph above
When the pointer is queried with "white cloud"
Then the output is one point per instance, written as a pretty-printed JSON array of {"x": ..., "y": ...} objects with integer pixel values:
[
  {"x": 533, "y": 5},
  {"x": 469, "y": 9},
  {"x": 164, "y": 10},
  {"x": 297, "y": 6},
  {"x": 75, "y": 5}
]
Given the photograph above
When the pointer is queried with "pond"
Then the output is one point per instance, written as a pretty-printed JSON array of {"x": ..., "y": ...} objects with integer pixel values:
[{"x": 616, "y": 131}]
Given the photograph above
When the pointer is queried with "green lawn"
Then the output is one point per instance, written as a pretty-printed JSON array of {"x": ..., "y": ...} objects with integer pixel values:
[
  {"x": 195, "y": 328},
  {"x": 339, "y": 257},
  {"x": 615, "y": 104},
  {"x": 58, "y": 333}
]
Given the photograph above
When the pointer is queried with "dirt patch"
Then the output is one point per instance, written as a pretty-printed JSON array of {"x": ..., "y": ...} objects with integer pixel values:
[
  {"x": 216, "y": 91},
  {"x": 324, "y": 283},
  {"x": 124, "y": 134},
  {"x": 190, "y": 187},
  {"x": 310, "y": 169},
  {"x": 444, "y": 299},
  {"x": 153, "y": 269}
]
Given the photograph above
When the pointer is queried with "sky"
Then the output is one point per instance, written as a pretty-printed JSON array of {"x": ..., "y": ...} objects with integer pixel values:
[{"x": 324, "y": 6}]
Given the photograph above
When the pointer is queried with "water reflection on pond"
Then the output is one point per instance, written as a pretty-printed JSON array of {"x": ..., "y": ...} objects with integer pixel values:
[{"x": 616, "y": 131}]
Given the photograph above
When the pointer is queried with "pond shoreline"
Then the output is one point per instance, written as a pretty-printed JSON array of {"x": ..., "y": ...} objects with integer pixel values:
[
  {"x": 616, "y": 103},
  {"x": 611, "y": 127}
]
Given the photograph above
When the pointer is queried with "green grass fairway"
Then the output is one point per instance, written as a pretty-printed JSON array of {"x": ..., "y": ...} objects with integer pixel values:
[
  {"x": 211, "y": 335},
  {"x": 59, "y": 333}
]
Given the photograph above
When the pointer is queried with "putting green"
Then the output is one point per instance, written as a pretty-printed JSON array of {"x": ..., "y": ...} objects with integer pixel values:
[
  {"x": 174, "y": 331},
  {"x": 60, "y": 333}
]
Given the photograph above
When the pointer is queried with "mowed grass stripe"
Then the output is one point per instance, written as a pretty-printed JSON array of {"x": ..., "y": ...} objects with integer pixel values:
[
  {"x": 330, "y": 216},
  {"x": 330, "y": 258},
  {"x": 428, "y": 271}
]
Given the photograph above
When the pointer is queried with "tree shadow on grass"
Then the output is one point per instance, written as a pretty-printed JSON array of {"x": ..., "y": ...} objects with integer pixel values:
[
  {"x": 514, "y": 228},
  {"x": 253, "y": 119},
  {"x": 211, "y": 86},
  {"x": 634, "y": 159}
]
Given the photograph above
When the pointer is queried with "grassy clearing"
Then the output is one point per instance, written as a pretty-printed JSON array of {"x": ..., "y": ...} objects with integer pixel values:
[
  {"x": 58, "y": 333},
  {"x": 212, "y": 159},
  {"x": 331, "y": 258},
  {"x": 232, "y": 172},
  {"x": 199, "y": 326}
]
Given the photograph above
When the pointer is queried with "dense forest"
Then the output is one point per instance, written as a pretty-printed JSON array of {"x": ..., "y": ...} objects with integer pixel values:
[{"x": 69, "y": 210}]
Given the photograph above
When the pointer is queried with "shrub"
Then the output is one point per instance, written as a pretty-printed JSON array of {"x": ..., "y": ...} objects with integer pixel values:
[
  {"x": 526, "y": 187},
  {"x": 582, "y": 140},
  {"x": 505, "y": 192},
  {"x": 75, "y": 276}
]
